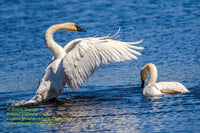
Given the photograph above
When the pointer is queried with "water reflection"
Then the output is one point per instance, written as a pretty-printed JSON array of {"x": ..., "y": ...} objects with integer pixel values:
[
  {"x": 116, "y": 109},
  {"x": 91, "y": 115}
]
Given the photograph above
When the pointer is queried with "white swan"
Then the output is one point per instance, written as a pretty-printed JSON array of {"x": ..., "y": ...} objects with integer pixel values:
[
  {"x": 77, "y": 61},
  {"x": 152, "y": 88}
]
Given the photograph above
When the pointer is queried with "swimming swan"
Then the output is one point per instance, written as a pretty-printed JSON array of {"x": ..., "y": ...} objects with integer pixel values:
[
  {"x": 152, "y": 88},
  {"x": 77, "y": 61}
]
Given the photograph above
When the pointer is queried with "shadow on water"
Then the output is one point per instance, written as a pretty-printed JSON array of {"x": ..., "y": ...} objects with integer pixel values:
[{"x": 195, "y": 91}]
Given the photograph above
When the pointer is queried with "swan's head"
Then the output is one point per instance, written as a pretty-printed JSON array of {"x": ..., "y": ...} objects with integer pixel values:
[
  {"x": 151, "y": 69},
  {"x": 144, "y": 73},
  {"x": 72, "y": 27}
]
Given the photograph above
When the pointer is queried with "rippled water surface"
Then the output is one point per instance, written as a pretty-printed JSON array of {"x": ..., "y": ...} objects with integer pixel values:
[{"x": 111, "y": 100}]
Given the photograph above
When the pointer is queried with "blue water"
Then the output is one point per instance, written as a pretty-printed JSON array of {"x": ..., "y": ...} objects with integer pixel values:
[{"x": 111, "y": 100}]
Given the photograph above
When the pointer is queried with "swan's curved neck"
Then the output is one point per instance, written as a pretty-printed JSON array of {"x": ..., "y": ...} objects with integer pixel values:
[
  {"x": 56, "y": 49},
  {"x": 146, "y": 70},
  {"x": 153, "y": 74}
]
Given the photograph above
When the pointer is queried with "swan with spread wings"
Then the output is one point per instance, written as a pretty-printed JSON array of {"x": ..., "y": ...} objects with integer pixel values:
[{"x": 77, "y": 61}]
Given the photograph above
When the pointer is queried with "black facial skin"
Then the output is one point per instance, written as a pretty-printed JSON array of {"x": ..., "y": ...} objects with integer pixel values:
[
  {"x": 79, "y": 29},
  {"x": 142, "y": 85}
]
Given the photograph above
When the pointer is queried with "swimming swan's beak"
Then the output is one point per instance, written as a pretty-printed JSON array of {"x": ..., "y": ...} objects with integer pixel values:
[
  {"x": 142, "y": 85},
  {"x": 79, "y": 29}
]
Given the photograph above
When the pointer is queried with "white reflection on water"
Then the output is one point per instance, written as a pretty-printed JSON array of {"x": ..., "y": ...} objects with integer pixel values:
[{"x": 93, "y": 117}]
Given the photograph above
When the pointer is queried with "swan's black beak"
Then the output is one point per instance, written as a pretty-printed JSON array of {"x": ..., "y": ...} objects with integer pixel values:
[
  {"x": 142, "y": 85},
  {"x": 79, "y": 29}
]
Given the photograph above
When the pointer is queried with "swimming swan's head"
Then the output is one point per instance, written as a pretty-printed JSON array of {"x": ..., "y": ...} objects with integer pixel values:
[{"x": 144, "y": 73}]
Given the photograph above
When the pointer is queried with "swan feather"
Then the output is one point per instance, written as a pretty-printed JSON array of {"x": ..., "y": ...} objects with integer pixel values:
[{"x": 89, "y": 54}]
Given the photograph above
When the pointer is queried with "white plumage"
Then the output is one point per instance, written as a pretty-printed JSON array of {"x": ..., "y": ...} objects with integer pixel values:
[
  {"x": 89, "y": 54},
  {"x": 77, "y": 61}
]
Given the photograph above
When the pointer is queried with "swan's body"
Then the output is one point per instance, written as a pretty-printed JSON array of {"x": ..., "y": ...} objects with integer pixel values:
[
  {"x": 154, "y": 89},
  {"x": 77, "y": 61}
]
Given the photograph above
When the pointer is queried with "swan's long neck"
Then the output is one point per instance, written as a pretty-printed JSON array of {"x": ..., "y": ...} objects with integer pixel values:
[
  {"x": 153, "y": 73},
  {"x": 56, "y": 49},
  {"x": 146, "y": 70}
]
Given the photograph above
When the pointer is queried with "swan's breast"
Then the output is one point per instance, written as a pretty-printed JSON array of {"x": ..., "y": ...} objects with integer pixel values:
[
  {"x": 53, "y": 81},
  {"x": 151, "y": 90}
]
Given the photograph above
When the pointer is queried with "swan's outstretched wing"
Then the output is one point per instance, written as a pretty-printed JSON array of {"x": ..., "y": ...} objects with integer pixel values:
[{"x": 84, "y": 56}]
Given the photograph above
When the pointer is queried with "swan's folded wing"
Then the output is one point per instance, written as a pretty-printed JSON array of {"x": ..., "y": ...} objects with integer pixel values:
[
  {"x": 84, "y": 56},
  {"x": 171, "y": 87}
]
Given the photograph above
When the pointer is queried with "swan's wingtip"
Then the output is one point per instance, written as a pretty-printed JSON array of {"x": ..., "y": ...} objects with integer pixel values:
[
  {"x": 136, "y": 42},
  {"x": 141, "y": 48}
]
